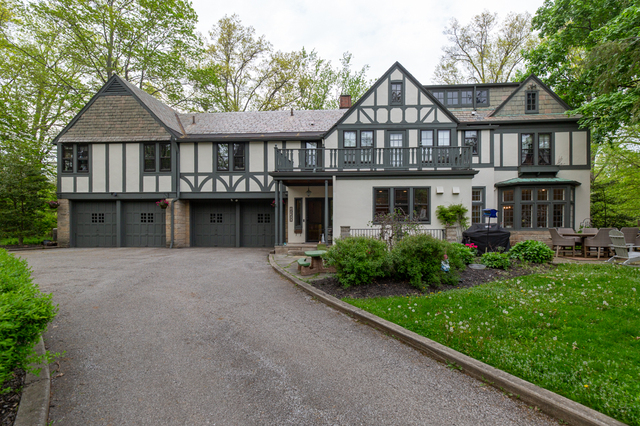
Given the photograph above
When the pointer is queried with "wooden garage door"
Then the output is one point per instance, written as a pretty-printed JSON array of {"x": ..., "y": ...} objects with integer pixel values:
[
  {"x": 94, "y": 224},
  {"x": 144, "y": 224},
  {"x": 214, "y": 224},
  {"x": 258, "y": 224}
]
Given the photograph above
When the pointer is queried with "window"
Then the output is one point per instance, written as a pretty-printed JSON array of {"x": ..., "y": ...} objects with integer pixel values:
[
  {"x": 452, "y": 97},
  {"x": 237, "y": 152},
  {"x": 439, "y": 96},
  {"x": 466, "y": 97},
  {"x": 363, "y": 147},
  {"x": 396, "y": 93},
  {"x": 531, "y": 102},
  {"x": 536, "y": 207},
  {"x": 97, "y": 217},
  {"x": 534, "y": 152},
  {"x": 311, "y": 154},
  {"x": 477, "y": 204},
  {"x": 75, "y": 158},
  {"x": 264, "y": 217},
  {"x": 444, "y": 137},
  {"x": 350, "y": 139},
  {"x": 298, "y": 215},
  {"x": 146, "y": 217},
  {"x": 412, "y": 202},
  {"x": 215, "y": 217},
  {"x": 426, "y": 138},
  {"x": 154, "y": 162},
  {"x": 482, "y": 98},
  {"x": 396, "y": 152},
  {"x": 471, "y": 139}
]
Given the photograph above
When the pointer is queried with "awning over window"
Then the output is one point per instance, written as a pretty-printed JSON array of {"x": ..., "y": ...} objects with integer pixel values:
[{"x": 540, "y": 181}]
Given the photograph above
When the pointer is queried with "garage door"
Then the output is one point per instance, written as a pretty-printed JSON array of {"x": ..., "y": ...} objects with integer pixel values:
[
  {"x": 144, "y": 224},
  {"x": 258, "y": 224},
  {"x": 214, "y": 224},
  {"x": 95, "y": 223}
]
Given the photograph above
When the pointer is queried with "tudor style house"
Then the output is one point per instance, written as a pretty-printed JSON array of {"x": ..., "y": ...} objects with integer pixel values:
[{"x": 259, "y": 179}]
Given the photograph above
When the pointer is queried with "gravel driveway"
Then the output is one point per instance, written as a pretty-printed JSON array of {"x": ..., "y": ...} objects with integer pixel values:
[{"x": 215, "y": 336}]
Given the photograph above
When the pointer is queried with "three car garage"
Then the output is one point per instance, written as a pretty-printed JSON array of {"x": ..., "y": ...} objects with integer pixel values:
[{"x": 220, "y": 223}]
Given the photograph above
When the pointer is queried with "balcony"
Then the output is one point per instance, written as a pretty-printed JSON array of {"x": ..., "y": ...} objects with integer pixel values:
[{"x": 372, "y": 159}]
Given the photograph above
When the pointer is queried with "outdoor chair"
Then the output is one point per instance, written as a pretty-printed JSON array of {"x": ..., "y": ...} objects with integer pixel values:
[
  {"x": 563, "y": 231},
  {"x": 630, "y": 236},
  {"x": 591, "y": 230},
  {"x": 621, "y": 250},
  {"x": 600, "y": 241},
  {"x": 562, "y": 243}
]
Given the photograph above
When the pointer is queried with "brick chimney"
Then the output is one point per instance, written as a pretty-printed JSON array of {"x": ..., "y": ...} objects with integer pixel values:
[{"x": 345, "y": 101}]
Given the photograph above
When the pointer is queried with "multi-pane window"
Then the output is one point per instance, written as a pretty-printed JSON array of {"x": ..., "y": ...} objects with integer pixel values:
[
  {"x": 477, "y": 204},
  {"x": 311, "y": 154},
  {"x": 365, "y": 143},
  {"x": 264, "y": 218},
  {"x": 350, "y": 139},
  {"x": 298, "y": 215},
  {"x": 452, "y": 98},
  {"x": 396, "y": 152},
  {"x": 535, "y": 149},
  {"x": 97, "y": 217},
  {"x": 531, "y": 208},
  {"x": 237, "y": 153},
  {"x": 75, "y": 158},
  {"x": 471, "y": 139},
  {"x": 146, "y": 217},
  {"x": 157, "y": 157},
  {"x": 439, "y": 96},
  {"x": 444, "y": 137},
  {"x": 531, "y": 105},
  {"x": 411, "y": 202},
  {"x": 396, "y": 93},
  {"x": 215, "y": 217},
  {"x": 466, "y": 97},
  {"x": 482, "y": 98}
]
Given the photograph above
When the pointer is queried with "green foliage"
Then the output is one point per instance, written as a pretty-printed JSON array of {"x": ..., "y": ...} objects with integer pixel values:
[
  {"x": 455, "y": 213},
  {"x": 572, "y": 330},
  {"x": 463, "y": 252},
  {"x": 590, "y": 55},
  {"x": 394, "y": 226},
  {"x": 418, "y": 258},
  {"x": 495, "y": 260},
  {"x": 481, "y": 53},
  {"x": 358, "y": 260},
  {"x": 16, "y": 241},
  {"x": 24, "y": 314},
  {"x": 531, "y": 251}
]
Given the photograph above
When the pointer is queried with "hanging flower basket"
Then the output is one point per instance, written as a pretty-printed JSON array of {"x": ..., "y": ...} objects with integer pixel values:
[
  {"x": 163, "y": 204},
  {"x": 53, "y": 204}
]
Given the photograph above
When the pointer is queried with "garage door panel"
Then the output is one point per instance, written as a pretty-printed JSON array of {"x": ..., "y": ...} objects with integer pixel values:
[
  {"x": 95, "y": 224},
  {"x": 258, "y": 224},
  {"x": 214, "y": 224},
  {"x": 144, "y": 224}
]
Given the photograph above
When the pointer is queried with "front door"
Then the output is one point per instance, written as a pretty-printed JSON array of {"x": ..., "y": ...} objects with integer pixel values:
[{"x": 315, "y": 219}]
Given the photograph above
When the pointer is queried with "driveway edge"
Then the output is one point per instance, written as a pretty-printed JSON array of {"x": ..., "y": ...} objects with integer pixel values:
[
  {"x": 549, "y": 402},
  {"x": 34, "y": 403}
]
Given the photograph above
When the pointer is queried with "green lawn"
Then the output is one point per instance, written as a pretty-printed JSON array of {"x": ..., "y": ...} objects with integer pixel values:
[{"x": 574, "y": 331}]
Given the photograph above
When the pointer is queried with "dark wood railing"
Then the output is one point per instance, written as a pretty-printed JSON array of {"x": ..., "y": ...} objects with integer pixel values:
[{"x": 418, "y": 158}]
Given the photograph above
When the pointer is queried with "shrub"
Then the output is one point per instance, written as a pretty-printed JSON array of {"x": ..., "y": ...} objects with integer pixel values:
[
  {"x": 418, "y": 258},
  {"x": 496, "y": 260},
  {"x": 24, "y": 315},
  {"x": 358, "y": 260},
  {"x": 531, "y": 251},
  {"x": 465, "y": 252}
]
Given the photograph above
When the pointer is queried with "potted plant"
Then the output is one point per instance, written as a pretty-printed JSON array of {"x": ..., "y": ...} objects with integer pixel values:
[
  {"x": 163, "y": 204},
  {"x": 53, "y": 204}
]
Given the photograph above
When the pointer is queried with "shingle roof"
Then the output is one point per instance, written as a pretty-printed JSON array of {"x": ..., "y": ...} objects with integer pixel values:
[
  {"x": 483, "y": 116},
  {"x": 537, "y": 181},
  {"x": 260, "y": 122}
]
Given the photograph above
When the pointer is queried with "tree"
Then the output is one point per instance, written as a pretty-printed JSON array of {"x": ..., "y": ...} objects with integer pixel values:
[
  {"x": 481, "y": 54},
  {"x": 590, "y": 55},
  {"x": 144, "y": 41}
]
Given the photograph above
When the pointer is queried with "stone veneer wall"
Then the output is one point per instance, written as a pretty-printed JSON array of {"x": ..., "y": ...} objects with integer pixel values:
[
  {"x": 64, "y": 223},
  {"x": 518, "y": 236},
  {"x": 182, "y": 224}
]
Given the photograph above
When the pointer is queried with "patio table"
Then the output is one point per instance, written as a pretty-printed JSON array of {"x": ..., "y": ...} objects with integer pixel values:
[
  {"x": 317, "y": 264},
  {"x": 582, "y": 237}
]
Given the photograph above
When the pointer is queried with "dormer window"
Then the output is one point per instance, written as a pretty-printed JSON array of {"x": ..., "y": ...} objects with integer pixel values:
[
  {"x": 482, "y": 98},
  {"x": 396, "y": 93},
  {"x": 531, "y": 102}
]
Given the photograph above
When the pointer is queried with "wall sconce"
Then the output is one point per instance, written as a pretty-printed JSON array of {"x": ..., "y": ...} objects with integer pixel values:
[{"x": 308, "y": 192}]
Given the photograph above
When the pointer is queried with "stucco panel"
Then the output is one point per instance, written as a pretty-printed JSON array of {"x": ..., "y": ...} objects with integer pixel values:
[
  {"x": 133, "y": 167},
  {"x": 580, "y": 149},
  {"x": 205, "y": 157},
  {"x": 187, "y": 160},
  {"x": 562, "y": 148},
  {"x": 510, "y": 149},
  {"x": 98, "y": 169}
]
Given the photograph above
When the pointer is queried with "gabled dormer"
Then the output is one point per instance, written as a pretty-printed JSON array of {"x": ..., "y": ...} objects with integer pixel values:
[{"x": 532, "y": 98}]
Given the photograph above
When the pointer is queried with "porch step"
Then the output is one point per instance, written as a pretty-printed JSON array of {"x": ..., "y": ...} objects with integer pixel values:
[{"x": 295, "y": 249}]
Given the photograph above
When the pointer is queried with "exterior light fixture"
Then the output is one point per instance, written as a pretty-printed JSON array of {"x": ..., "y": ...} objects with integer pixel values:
[{"x": 308, "y": 192}]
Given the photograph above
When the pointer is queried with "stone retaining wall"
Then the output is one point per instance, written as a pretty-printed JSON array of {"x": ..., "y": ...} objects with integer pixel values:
[{"x": 64, "y": 223}]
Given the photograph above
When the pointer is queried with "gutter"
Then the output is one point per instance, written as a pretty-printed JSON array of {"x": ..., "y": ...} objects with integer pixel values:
[{"x": 173, "y": 211}]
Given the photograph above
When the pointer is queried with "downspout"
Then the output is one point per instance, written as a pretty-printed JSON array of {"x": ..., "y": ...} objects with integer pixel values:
[{"x": 173, "y": 212}]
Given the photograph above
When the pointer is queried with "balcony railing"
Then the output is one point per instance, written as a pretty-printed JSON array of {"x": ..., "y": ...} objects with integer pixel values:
[{"x": 339, "y": 159}]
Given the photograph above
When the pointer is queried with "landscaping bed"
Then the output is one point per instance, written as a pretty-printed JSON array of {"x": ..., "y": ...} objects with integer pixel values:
[{"x": 10, "y": 401}]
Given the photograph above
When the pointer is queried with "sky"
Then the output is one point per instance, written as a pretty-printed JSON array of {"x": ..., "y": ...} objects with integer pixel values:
[{"x": 377, "y": 32}]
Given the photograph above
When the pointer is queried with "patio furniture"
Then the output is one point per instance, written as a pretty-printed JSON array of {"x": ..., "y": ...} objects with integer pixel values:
[
  {"x": 561, "y": 243},
  {"x": 590, "y": 230},
  {"x": 600, "y": 241},
  {"x": 563, "y": 231},
  {"x": 317, "y": 264},
  {"x": 630, "y": 236},
  {"x": 580, "y": 237},
  {"x": 621, "y": 249}
]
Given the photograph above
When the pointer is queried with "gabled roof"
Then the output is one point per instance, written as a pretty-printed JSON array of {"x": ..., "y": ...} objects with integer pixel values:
[
  {"x": 411, "y": 78},
  {"x": 523, "y": 84}
]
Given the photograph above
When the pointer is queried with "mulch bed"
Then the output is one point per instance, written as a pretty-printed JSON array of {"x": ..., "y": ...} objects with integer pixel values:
[
  {"x": 9, "y": 401},
  {"x": 390, "y": 287}
]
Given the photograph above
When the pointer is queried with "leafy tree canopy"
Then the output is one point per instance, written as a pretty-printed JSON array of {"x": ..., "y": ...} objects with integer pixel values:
[
  {"x": 485, "y": 51},
  {"x": 590, "y": 55}
]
